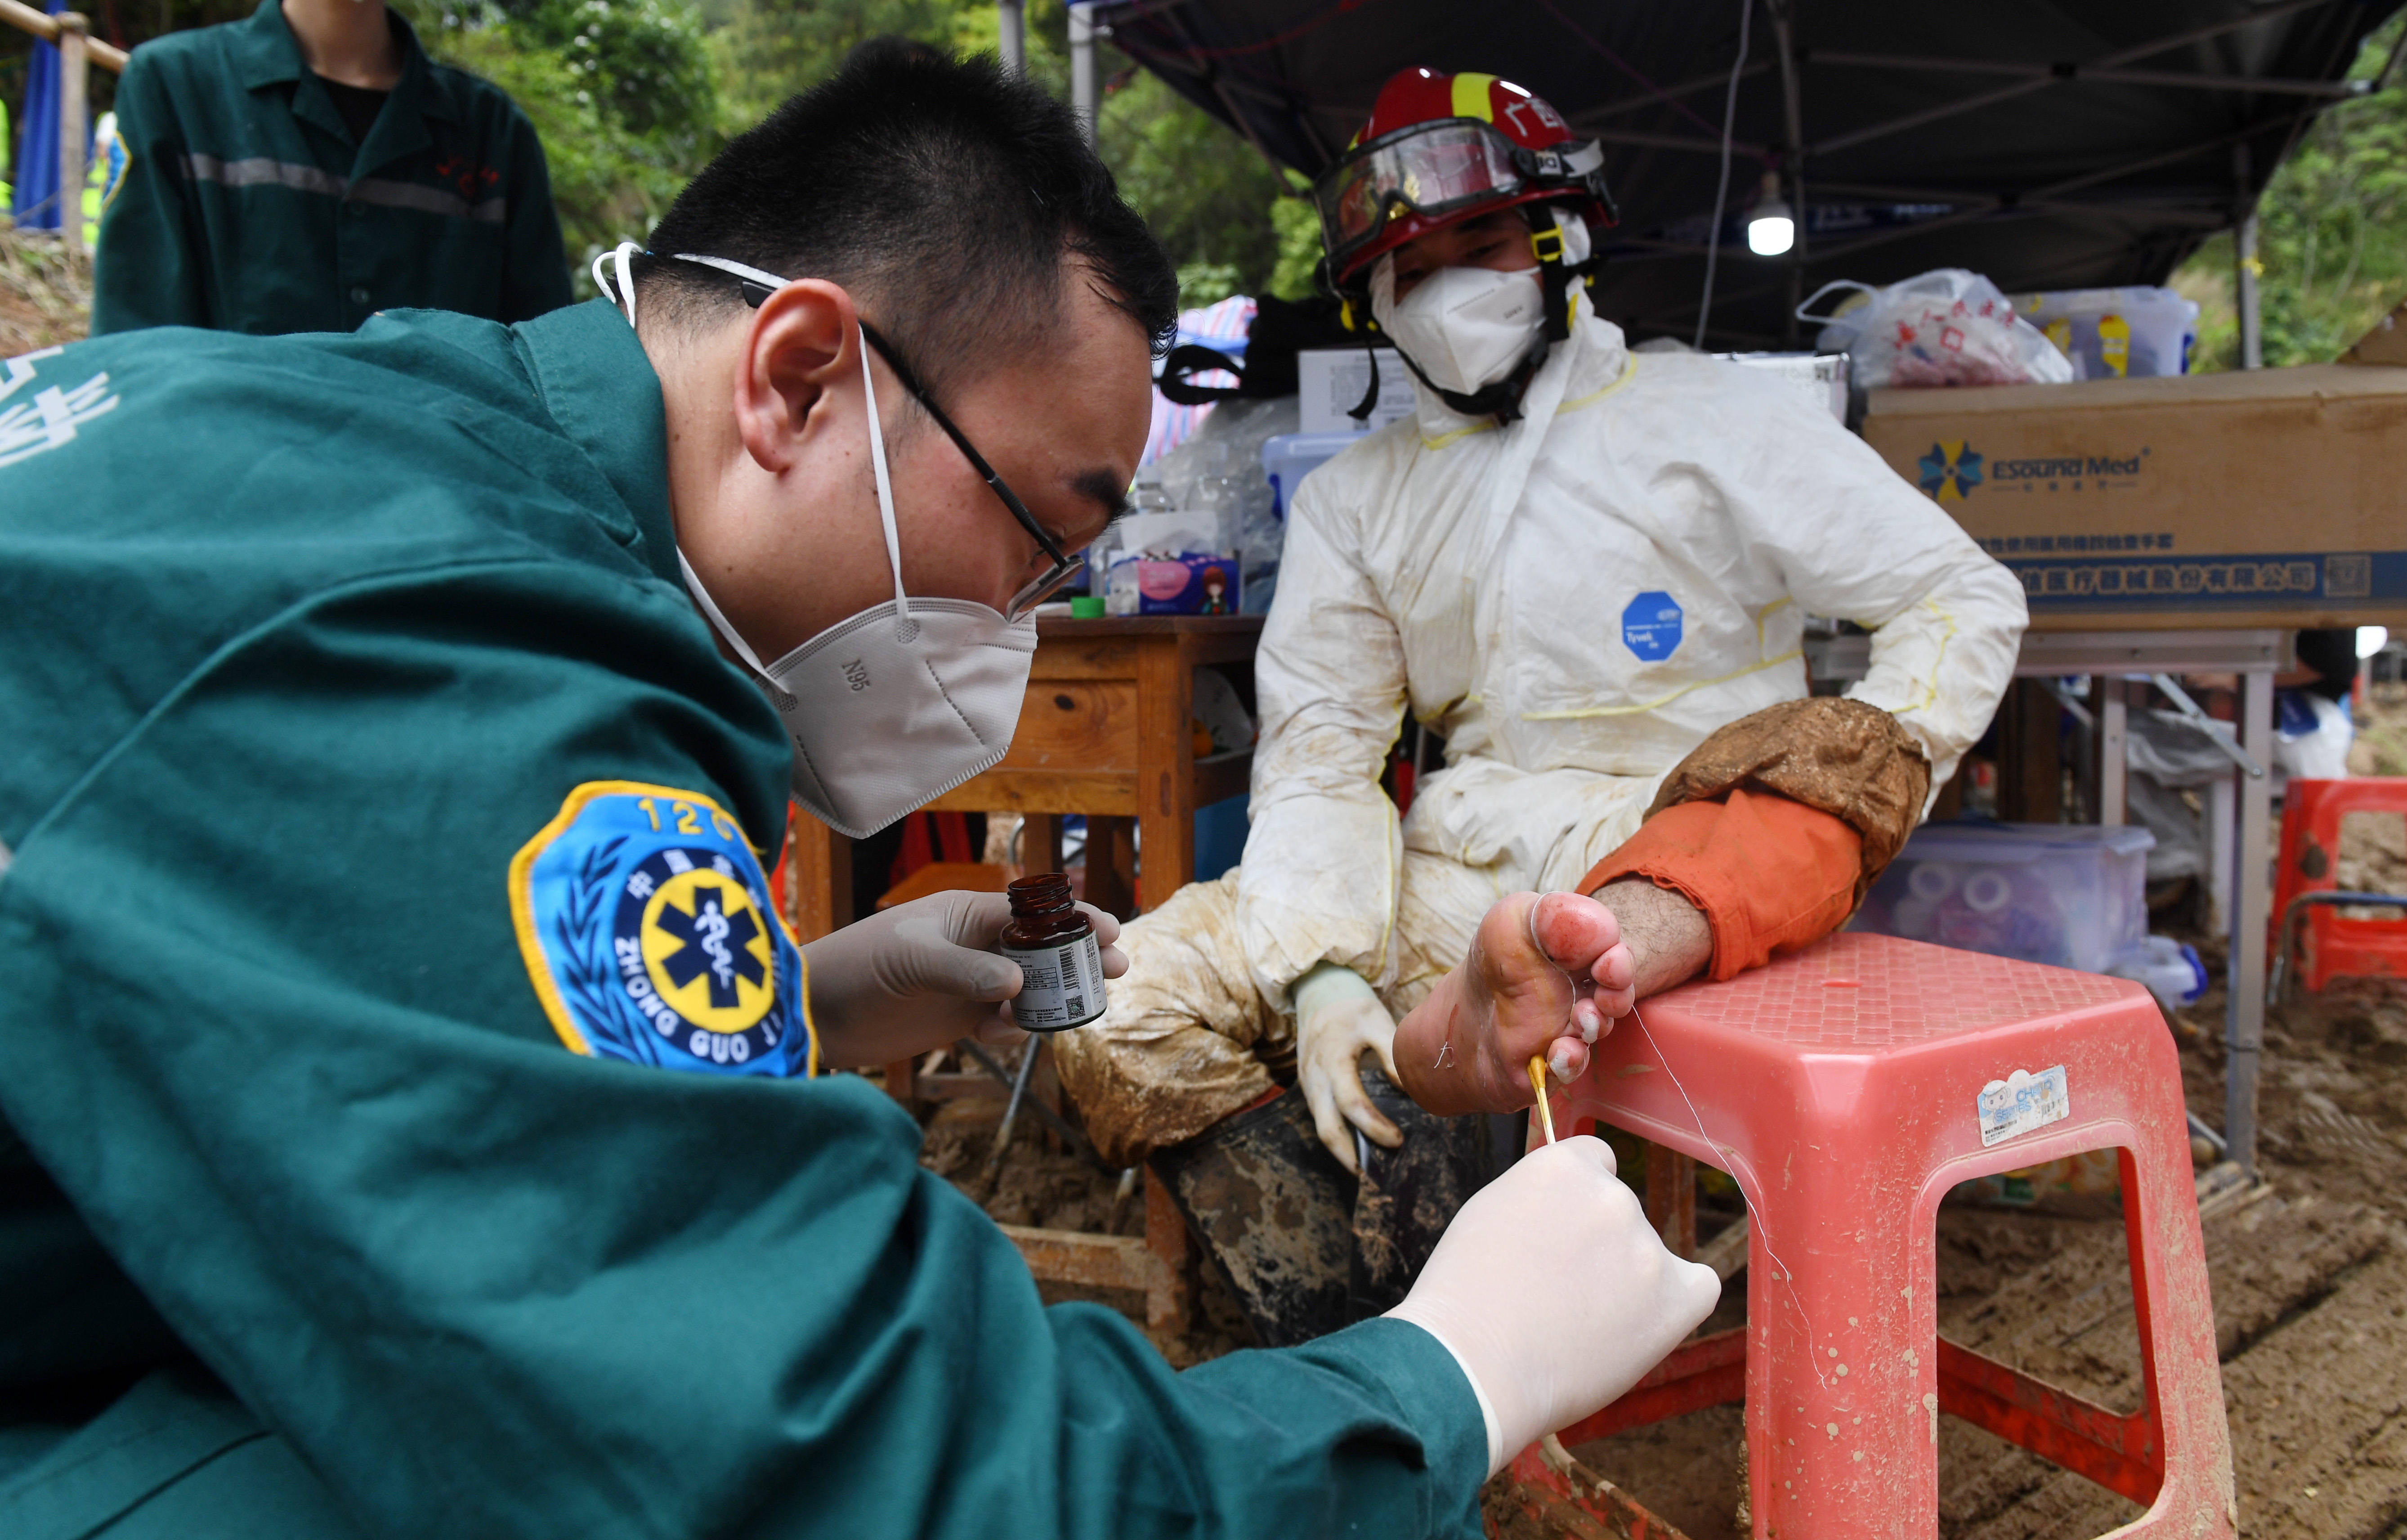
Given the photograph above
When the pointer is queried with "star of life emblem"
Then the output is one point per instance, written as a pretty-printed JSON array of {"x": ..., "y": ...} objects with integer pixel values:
[{"x": 650, "y": 937}]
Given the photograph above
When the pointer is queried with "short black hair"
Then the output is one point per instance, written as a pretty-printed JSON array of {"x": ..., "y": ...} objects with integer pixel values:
[{"x": 943, "y": 193}]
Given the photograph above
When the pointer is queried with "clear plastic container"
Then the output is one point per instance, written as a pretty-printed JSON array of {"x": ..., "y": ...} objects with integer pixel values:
[
  {"x": 2071, "y": 895},
  {"x": 2134, "y": 332},
  {"x": 1288, "y": 458}
]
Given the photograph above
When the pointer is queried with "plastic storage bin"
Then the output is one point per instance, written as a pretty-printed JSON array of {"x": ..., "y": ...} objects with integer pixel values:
[
  {"x": 1288, "y": 458},
  {"x": 2114, "y": 334},
  {"x": 2070, "y": 895}
]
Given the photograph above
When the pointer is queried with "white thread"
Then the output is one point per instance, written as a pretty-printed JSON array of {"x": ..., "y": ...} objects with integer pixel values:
[{"x": 1754, "y": 1211}]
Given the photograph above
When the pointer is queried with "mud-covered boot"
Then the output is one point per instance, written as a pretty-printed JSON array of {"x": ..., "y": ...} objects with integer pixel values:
[
  {"x": 1307, "y": 1248},
  {"x": 1276, "y": 1211},
  {"x": 1408, "y": 1196}
]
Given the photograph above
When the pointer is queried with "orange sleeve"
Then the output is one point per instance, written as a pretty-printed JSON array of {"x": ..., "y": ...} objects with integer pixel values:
[{"x": 1769, "y": 874}]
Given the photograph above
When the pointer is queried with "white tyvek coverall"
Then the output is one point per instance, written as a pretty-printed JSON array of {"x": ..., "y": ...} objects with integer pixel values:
[{"x": 1400, "y": 585}]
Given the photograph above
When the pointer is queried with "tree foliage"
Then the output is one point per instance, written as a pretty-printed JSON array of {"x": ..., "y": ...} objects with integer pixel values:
[
  {"x": 1207, "y": 194},
  {"x": 768, "y": 49},
  {"x": 2332, "y": 231},
  {"x": 631, "y": 97},
  {"x": 622, "y": 94}
]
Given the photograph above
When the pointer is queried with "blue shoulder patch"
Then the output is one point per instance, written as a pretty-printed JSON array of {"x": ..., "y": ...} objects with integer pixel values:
[{"x": 648, "y": 928}]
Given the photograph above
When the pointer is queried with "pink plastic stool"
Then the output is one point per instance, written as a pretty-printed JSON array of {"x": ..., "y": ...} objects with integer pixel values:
[{"x": 1844, "y": 1088}]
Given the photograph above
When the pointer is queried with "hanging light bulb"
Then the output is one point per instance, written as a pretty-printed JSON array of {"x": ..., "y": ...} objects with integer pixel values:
[{"x": 1771, "y": 228}]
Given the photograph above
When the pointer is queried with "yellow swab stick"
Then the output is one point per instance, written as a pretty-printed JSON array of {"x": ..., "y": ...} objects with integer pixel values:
[{"x": 1538, "y": 1084}]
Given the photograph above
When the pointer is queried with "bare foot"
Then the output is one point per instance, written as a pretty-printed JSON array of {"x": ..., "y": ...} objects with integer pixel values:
[{"x": 1544, "y": 978}]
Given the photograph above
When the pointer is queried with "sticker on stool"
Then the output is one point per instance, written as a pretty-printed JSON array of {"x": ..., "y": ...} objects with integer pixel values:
[{"x": 2022, "y": 1101}]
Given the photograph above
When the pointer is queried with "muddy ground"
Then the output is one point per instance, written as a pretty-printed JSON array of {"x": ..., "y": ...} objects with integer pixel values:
[
  {"x": 45, "y": 294},
  {"x": 2309, "y": 1276}
]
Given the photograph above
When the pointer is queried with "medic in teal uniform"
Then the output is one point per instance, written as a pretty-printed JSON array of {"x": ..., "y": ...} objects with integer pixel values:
[
  {"x": 410, "y": 1111},
  {"x": 262, "y": 195}
]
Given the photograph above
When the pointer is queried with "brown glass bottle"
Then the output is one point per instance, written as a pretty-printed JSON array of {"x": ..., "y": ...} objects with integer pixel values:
[{"x": 1061, "y": 962}]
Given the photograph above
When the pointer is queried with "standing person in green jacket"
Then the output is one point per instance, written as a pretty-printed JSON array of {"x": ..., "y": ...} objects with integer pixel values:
[
  {"x": 304, "y": 170},
  {"x": 410, "y": 1111}
]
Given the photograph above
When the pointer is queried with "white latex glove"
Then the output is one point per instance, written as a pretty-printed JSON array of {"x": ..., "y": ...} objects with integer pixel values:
[
  {"x": 1555, "y": 1294},
  {"x": 1337, "y": 1019},
  {"x": 920, "y": 975}
]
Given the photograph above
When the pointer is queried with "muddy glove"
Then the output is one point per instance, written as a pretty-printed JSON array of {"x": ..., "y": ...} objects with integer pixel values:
[
  {"x": 919, "y": 974},
  {"x": 1337, "y": 1019},
  {"x": 1555, "y": 1294}
]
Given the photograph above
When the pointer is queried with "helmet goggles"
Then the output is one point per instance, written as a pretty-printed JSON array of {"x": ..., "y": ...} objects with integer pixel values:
[{"x": 1438, "y": 168}]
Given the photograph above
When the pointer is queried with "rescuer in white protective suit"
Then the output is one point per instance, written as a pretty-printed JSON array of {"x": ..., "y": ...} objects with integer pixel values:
[{"x": 1590, "y": 572}]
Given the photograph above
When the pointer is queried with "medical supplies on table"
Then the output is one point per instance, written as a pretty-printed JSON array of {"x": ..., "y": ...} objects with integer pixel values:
[{"x": 2132, "y": 332}]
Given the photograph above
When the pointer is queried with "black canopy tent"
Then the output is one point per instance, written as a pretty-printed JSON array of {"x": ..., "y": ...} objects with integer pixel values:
[{"x": 2049, "y": 146}]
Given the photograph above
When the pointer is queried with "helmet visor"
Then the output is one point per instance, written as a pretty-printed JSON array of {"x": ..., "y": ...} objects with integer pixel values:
[{"x": 1429, "y": 169}]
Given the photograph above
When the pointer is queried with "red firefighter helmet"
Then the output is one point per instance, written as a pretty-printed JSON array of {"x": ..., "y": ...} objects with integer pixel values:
[{"x": 1444, "y": 148}]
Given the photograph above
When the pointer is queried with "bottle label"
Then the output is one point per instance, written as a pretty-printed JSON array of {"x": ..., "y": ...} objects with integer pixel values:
[{"x": 1060, "y": 986}]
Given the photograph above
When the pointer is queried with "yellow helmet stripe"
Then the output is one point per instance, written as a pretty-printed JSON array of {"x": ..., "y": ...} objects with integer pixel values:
[{"x": 1470, "y": 99}]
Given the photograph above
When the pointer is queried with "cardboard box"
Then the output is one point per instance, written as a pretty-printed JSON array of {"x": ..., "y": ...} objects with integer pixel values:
[
  {"x": 2267, "y": 497},
  {"x": 1819, "y": 377},
  {"x": 1330, "y": 382}
]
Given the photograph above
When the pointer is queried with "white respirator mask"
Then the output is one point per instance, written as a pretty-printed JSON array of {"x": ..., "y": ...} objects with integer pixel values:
[
  {"x": 1466, "y": 327},
  {"x": 899, "y": 704}
]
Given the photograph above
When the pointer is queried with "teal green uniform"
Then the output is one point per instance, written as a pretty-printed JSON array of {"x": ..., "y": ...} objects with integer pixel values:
[
  {"x": 247, "y": 206},
  {"x": 378, "y": 921}
]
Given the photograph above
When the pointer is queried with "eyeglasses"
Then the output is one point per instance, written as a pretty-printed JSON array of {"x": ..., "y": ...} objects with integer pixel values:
[{"x": 1064, "y": 565}]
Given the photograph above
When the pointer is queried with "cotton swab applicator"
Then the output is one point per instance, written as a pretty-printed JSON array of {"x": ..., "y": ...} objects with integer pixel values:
[{"x": 1538, "y": 1084}]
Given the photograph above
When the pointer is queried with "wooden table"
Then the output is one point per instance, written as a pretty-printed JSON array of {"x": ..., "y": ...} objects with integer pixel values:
[{"x": 1104, "y": 734}]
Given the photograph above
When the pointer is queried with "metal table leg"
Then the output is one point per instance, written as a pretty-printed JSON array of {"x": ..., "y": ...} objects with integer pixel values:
[
  {"x": 2113, "y": 730},
  {"x": 2251, "y": 899}
]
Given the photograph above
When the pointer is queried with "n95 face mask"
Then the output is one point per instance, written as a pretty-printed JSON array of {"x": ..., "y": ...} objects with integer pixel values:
[
  {"x": 1466, "y": 327},
  {"x": 895, "y": 708},
  {"x": 899, "y": 704}
]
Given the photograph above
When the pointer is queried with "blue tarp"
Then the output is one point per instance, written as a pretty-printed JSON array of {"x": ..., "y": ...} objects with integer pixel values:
[{"x": 34, "y": 200}]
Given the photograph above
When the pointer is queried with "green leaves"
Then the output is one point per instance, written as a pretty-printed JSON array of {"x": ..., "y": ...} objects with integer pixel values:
[
  {"x": 769, "y": 49},
  {"x": 1206, "y": 193},
  {"x": 631, "y": 97},
  {"x": 622, "y": 94},
  {"x": 2331, "y": 232}
]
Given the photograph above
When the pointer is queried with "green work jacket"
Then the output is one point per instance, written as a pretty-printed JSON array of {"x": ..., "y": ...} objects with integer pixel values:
[
  {"x": 246, "y": 207},
  {"x": 379, "y": 919}
]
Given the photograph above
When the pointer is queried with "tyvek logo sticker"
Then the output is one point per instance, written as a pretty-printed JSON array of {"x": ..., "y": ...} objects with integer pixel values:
[
  {"x": 1650, "y": 626},
  {"x": 1950, "y": 471}
]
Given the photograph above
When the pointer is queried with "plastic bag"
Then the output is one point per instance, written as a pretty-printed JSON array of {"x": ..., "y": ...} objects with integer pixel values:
[
  {"x": 1947, "y": 327},
  {"x": 2171, "y": 970},
  {"x": 1229, "y": 445}
]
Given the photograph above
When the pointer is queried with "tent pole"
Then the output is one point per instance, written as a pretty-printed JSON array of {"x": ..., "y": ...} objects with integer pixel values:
[
  {"x": 1082, "y": 69},
  {"x": 1794, "y": 163},
  {"x": 2247, "y": 268},
  {"x": 1011, "y": 35},
  {"x": 73, "y": 73},
  {"x": 2252, "y": 325}
]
